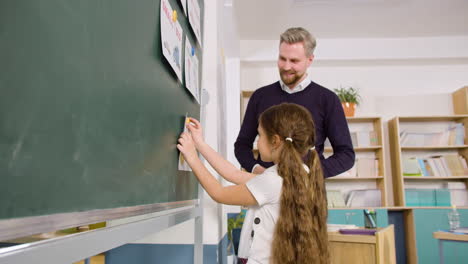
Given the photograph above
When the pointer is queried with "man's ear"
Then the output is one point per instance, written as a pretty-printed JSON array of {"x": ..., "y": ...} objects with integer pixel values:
[{"x": 310, "y": 59}]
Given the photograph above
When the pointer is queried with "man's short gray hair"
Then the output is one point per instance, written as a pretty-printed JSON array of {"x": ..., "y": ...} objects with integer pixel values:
[{"x": 299, "y": 34}]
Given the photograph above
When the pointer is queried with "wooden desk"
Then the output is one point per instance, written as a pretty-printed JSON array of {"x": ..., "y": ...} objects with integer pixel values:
[
  {"x": 363, "y": 249},
  {"x": 448, "y": 236}
]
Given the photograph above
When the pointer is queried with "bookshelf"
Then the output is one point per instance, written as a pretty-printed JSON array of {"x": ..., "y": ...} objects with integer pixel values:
[
  {"x": 372, "y": 148},
  {"x": 431, "y": 136}
]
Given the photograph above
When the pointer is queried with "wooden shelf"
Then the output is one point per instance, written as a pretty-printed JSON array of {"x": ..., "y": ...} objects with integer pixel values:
[
  {"x": 405, "y": 208},
  {"x": 362, "y": 119},
  {"x": 247, "y": 94},
  {"x": 432, "y": 178},
  {"x": 398, "y": 124},
  {"x": 456, "y": 118},
  {"x": 364, "y": 124},
  {"x": 433, "y": 148},
  {"x": 358, "y": 149},
  {"x": 355, "y": 178}
]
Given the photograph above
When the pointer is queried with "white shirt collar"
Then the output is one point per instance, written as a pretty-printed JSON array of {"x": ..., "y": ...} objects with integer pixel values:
[{"x": 301, "y": 86}]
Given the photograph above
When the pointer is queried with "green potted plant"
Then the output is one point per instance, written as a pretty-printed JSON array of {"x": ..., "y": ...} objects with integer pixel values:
[
  {"x": 234, "y": 229},
  {"x": 349, "y": 98}
]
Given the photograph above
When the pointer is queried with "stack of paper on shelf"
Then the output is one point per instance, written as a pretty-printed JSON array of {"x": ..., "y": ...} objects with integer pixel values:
[
  {"x": 456, "y": 164},
  {"x": 458, "y": 192},
  {"x": 364, "y": 138},
  {"x": 411, "y": 167},
  {"x": 459, "y": 197},
  {"x": 363, "y": 198},
  {"x": 462, "y": 230},
  {"x": 335, "y": 198},
  {"x": 452, "y": 136},
  {"x": 336, "y": 227},
  {"x": 367, "y": 167}
]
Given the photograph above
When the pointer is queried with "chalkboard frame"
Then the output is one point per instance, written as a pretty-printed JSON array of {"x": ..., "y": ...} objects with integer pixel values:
[{"x": 26, "y": 226}]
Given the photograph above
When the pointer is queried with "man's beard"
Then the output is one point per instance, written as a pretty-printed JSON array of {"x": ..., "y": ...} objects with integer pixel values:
[{"x": 288, "y": 80}]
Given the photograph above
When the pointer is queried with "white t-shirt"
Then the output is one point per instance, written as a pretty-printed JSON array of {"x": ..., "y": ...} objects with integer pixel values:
[{"x": 261, "y": 219}]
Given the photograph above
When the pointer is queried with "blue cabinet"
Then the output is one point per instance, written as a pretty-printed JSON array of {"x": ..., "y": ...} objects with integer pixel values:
[{"x": 427, "y": 221}]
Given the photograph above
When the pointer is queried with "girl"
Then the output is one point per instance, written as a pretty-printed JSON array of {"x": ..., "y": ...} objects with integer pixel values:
[{"x": 286, "y": 220}]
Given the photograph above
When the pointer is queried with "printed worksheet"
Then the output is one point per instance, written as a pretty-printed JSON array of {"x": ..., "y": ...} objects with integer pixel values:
[
  {"x": 194, "y": 18},
  {"x": 191, "y": 70},
  {"x": 171, "y": 37}
]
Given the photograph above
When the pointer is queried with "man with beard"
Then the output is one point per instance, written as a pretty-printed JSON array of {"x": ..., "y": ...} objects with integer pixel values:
[{"x": 295, "y": 86}]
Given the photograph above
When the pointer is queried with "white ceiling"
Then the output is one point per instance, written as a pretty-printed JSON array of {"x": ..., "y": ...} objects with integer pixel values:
[{"x": 266, "y": 19}]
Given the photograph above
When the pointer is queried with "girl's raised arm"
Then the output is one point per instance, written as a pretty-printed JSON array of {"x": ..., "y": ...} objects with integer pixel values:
[
  {"x": 222, "y": 166},
  {"x": 233, "y": 195}
]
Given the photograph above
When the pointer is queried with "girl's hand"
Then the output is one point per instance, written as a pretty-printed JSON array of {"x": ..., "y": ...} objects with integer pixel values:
[
  {"x": 187, "y": 147},
  {"x": 195, "y": 129}
]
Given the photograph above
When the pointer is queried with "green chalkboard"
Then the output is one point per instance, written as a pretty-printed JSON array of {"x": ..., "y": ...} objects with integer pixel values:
[{"x": 90, "y": 110}]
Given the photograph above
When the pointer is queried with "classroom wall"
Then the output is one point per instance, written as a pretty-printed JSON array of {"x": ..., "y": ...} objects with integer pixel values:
[
  {"x": 411, "y": 76},
  {"x": 395, "y": 77}
]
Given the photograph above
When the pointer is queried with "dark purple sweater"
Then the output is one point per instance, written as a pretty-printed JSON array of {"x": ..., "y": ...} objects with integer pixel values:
[{"x": 329, "y": 119}]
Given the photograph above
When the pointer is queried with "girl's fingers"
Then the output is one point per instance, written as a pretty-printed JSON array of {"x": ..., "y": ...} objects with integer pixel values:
[
  {"x": 191, "y": 128},
  {"x": 184, "y": 135},
  {"x": 195, "y": 122}
]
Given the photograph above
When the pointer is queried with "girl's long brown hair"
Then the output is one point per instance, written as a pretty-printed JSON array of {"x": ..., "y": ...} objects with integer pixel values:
[{"x": 301, "y": 231}]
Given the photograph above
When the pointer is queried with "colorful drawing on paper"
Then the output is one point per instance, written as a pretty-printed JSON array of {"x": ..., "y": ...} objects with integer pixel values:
[
  {"x": 171, "y": 37},
  {"x": 191, "y": 70},
  {"x": 194, "y": 18}
]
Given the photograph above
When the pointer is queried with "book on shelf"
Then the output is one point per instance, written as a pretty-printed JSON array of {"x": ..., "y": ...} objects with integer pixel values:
[
  {"x": 411, "y": 167},
  {"x": 459, "y": 197},
  {"x": 335, "y": 198},
  {"x": 454, "y": 135},
  {"x": 363, "y": 167},
  {"x": 429, "y": 197},
  {"x": 363, "y": 198},
  {"x": 420, "y": 197},
  {"x": 458, "y": 192},
  {"x": 364, "y": 138},
  {"x": 461, "y": 230},
  {"x": 446, "y": 165},
  {"x": 337, "y": 227},
  {"x": 367, "y": 167}
]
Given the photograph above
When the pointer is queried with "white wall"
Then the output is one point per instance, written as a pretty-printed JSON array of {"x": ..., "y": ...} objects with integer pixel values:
[{"x": 396, "y": 77}]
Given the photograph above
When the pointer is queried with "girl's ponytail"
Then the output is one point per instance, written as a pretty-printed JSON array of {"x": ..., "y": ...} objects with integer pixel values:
[
  {"x": 301, "y": 231},
  {"x": 320, "y": 209},
  {"x": 293, "y": 202}
]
